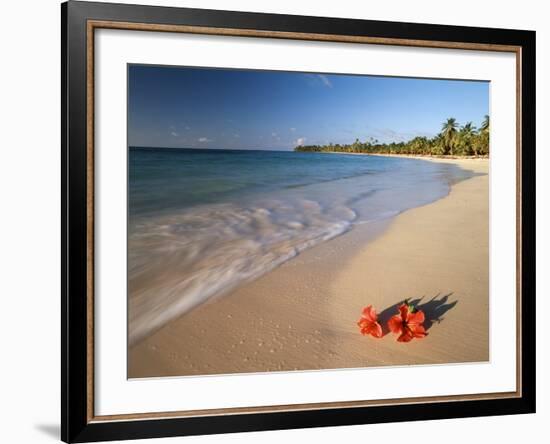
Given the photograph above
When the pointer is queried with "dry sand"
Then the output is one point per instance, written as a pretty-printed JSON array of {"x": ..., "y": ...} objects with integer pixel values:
[{"x": 303, "y": 315}]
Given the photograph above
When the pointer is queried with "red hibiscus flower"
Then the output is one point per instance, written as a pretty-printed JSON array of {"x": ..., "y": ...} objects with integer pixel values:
[
  {"x": 408, "y": 323},
  {"x": 369, "y": 323}
]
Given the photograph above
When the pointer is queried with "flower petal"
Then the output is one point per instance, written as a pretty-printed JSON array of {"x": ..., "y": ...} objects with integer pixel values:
[
  {"x": 418, "y": 331},
  {"x": 395, "y": 324},
  {"x": 371, "y": 328},
  {"x": 369, "y": 313},
  {"x": 404, "y": 312},
  {"x": 376, "y": 330},
  {"x": 406, "y": 336},
  {"x": 416, "y": 317}
]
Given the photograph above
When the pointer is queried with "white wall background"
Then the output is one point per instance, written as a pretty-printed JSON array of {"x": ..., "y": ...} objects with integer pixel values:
[{"x": 30, "y": 208}]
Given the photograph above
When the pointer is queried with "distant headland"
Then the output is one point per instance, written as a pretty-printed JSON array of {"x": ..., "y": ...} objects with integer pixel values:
[{"x": 453, "y": 141}]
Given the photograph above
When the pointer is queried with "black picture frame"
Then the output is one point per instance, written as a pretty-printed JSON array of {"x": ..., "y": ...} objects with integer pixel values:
[{"x": 77, "y": 425}]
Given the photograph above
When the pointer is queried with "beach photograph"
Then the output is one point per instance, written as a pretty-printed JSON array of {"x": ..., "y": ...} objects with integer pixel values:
[{"x": 292, "y": 221}]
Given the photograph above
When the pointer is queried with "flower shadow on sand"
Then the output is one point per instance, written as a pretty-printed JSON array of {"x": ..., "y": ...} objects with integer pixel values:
[{"x": 434, "y": 309}]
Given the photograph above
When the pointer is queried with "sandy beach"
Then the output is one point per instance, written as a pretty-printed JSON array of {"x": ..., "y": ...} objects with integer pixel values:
[{"x": 303, "y": 315}]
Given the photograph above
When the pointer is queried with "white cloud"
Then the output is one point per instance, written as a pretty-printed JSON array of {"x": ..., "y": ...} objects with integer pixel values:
[
  {"x": 174, "y": 134},
  {"x": 236, "y": 135},
  {"x": 299, "y": 141},
  {"x": 204, "y": 140},
  {"x": 325, "y": 80},
  {"x": 292, "y": 129},
  {"x": 317, "y": 80},
  {"x": 273, "y": 134}
]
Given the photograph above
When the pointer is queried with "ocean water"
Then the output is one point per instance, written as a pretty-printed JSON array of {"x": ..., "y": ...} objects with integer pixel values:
[{"x": 202, "y": 222}]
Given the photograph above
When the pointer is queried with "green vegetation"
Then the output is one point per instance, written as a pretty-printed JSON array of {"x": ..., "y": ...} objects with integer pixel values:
[{"x": 453, "y": 140}]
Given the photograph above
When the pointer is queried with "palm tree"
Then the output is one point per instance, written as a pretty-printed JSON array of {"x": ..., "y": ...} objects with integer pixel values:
[
  {"x": 449, "y": 133},
  {"x": 465, "y": 138},
  {"x": 483, "y": 136},
  {"x": 485, "y": 124},
  {"x": 468, "y": 128},
  {"x": 438, "y": 145}
]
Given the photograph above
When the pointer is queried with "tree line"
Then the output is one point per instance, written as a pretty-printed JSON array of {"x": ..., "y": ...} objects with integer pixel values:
[{"x": 453, "y": 140}]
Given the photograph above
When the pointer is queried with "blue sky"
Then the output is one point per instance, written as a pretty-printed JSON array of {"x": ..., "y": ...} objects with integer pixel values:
[{"x": 249, "y": 109}]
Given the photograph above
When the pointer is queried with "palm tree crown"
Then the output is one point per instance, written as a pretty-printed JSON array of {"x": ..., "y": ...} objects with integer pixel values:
[
  {"x": 485, "y": 124},
  {"x": 468, "y": 128}
]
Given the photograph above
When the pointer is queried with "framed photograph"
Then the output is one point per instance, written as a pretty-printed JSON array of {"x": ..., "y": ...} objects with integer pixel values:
[{"x": 275, "y": 221}]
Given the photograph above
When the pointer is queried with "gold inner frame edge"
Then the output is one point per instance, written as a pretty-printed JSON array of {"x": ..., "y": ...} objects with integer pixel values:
[{"x": 92, "y": 25}]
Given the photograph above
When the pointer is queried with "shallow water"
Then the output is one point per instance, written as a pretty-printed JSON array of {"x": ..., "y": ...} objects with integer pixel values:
[{"x": 202, "y": 222}]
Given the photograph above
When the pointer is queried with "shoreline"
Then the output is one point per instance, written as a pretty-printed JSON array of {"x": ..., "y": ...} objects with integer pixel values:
[{"x": 303, "y": 314}]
